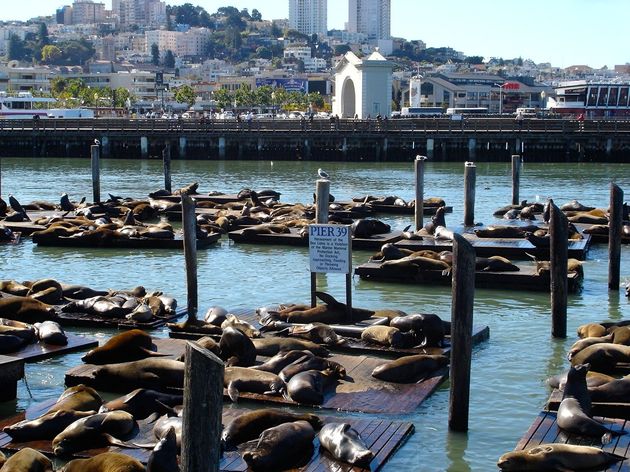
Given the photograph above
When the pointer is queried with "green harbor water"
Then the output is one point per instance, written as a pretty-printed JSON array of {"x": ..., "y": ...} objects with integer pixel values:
[{"x": 508, "y": 372}]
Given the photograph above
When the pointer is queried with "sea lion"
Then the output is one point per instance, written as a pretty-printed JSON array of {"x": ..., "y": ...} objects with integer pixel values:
[
  {"x": 495, "y": 264},
  {"x": 557, "y": 457},
  {"x": 319, "y": 333},
  {"x": 602, "y": 357},
  {"x": 589, "y": 330},
  {"x": 417, "y": 262},
  {"x": 93, "y": 431},
  {"x": 148, "y": 373},
  {"x": 250, "y": 425},
  {"x": 593, "y": 379},
  {"x": 270, "y": 346},
  {"x": 390, "y": 252},
  {"x": 281, "y": 360},
  {"x": 576, "y": 387},
  {"x": 14, "y": 288},
  {"x": 620, "y": 335},
  {"x": 285, "y": 446},
  {"x": 234, "y": 322},
  {"x": 345, "y": 444},
  {"x": 51, "y": 332},
  {"x": 308, "y": 387},
  {"x": 167, "y": 422},
  {"x": 334, "y": 369},
  {"x": 573, "y": 419},
  {"x": 586, "y": 342},
  {"x": 10, "y": 343},
  {"x": 143, "y": 402},
  {"x": 574, "y": 205},
  {"x": 215, "y": 315},
  {"x": 127, "y": 346},
  {"x": 163, "y": 458},
  {"x": 205, "y": 342},
  {"x": 236, "y": 348},
  {"x": 429, "y": 329},
  {"x": 78, "y": 398},
  {"x": 99, "y": 305},
  {"x": 437, "y": 220},
  {"x": 614, "y": 391},
  {"x": 105, "y": 462},
  {"x": 511, "y": 232},
  {"x": 47, "y": 291},
  {"x": 410, "y": 369},
  {"x": 25, "y": 309},
  {"x": 387, "y": 336},
  {"x": 368, "y": 227},
  {"x": 46, "y": 426},
  {"x": 24, "y": 331},
  {"x": 27, "y": 460},
  {"x": 237, "y": 379}
]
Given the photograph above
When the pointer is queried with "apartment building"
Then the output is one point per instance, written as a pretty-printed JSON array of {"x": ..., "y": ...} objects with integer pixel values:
[
  {"x": 190, "y": 44},
  {"x": 87, "y": 12},
  {"x": 370, "y": 17},
  {"x": 142, "y": 13},
  {"x": 309, "y": 16}
]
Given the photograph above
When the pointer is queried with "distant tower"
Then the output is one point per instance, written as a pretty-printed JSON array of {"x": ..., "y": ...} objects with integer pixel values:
[
  {"x": 309, "y": 16},
  {"x": 415, "y": 94},
  {"x": 370, "y": 17}
]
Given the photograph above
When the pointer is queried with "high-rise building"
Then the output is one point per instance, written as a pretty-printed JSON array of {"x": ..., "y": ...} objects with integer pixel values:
[
  {"x": 370, "y": 17},
  {"x": 309, "y": 16},
  {"x": 87, "y": 12},
  {"x": 142, "y": 13}
]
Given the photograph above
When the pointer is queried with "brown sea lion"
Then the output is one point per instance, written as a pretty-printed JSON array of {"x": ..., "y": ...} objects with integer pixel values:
[
  {"x": 78, "y": 398},
  {"x": 285, "y": 446},
  {"x": 585, "y": 342},
  {"x": 620, "y": 335},
  {"x": 319, "y": 333},
  {"x": 573, "y": 419},
  {"x": 308, "y": 387},
  {"x": 234, "y": 322},
  {"x": 14, "y": 288},
  {"x": 25, "y": 309},
  {"x": 270, "y": 346},
  {"x": 167, "y": 422},
  {"x": 51, "y": 332},
  {"x": 143, "y": 402},
  {"x": 93, "y": 431},
  {"x": 10, "y": 343},
  {"x": 495, "y": 264},
  {"x": 589, "y": 330},
  {"x": 429, "y": 329},
  {"x": 345, "y": 444},
  {"x": 602, "y": 357},
  {"x": 163, "y": 458},
  {"x": 417, "y": 262},
  {"x": 47, "y": 291},
  {"x": 207, "y": 343},
  {"x": 387, "y": 336},
  {"x": 576, "y": 387},
  {"x": 614, "y": 391},
  {"x": 216, "y": 315},
  {"x": 127, "y": 346},
  {"x": 368, "y": 227},
  {"x": 236, "y": 348},
  {"x": 105, "y": 462},
  {"x": 250, "y": 425},
  {"x": 27, "y": 460},
  {"x": 593, "y": 379},
  {"x": 335, "y": 369},
  {"x": 281, "y": 360},
  {"x": 410, "y": 369},
  {"x": 237, "y": 379},
  {"x": 46, "y": 426},
  {"x": 25, "y": 331},
  {"x": 557, "y": 457},
  {"x": 154, "y": 374}
]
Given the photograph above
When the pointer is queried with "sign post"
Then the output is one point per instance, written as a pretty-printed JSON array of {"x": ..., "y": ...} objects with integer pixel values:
[{"x": 330, "y": 251}]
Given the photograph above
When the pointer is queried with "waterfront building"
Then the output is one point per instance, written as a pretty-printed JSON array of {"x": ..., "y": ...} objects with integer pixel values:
[
  {"x": 592, "y": 99},
  {"x": 23, "y": 79},
  {"x": 370, "y": 17},
  {"x": 309, "y": 16},
  {"x": 363, "y": 87}
]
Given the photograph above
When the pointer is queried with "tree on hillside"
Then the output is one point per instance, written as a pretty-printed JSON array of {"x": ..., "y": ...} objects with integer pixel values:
[
  {"x": 185, "y": 94},
  {"x": 51, "y": 54},
  {"x": 42, "y": 35},
  {"x": 155, "y": 55},
  {"x": 256, "y": 15},
  {"x": 188, "y": 14},
  {"x": 17, "y": 50},
  {"x": 169, "y": 59},
  {"x": 474, "y": 60}
]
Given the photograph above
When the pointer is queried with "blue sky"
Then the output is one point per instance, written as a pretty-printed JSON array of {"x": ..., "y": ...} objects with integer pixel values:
[{"x": 563, "y": 32}]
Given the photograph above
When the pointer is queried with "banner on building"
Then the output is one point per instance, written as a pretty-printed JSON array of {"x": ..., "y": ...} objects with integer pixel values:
[{"x": 290, "y": 85}]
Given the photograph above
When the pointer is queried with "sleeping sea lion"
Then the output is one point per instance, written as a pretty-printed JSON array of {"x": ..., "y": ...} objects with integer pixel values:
[
  {"x": 602, "y": 357},
  {"x": 25, "y": 309},
  {"x": 387, "y": 336},
  {"x": 46, "y": 426},
  {"x": 163, "y": 458},
  {"x": 143, "y": 402},
  {"x": 78, "y": 398},
  {"x": 308, "y": 387},
  {"x": 250, "y": 425},
  {"x": 557, "y": 457},
  {"x": 270, "y": 346},
  {"x": 29, "y": 460},
  {"x": 127, "y": 346},
  {"x": 345, "y": 444},
  {"x": 410, "y": 369},
  {"x": 237, "y": 379},
  {"x": 589, "y": 330},
  {"x": 281, "y": 360},
  {"x": 334, "y": 369},
  {"x": 105, "y": 462},
  {"x": 148, "y": 373},
  {"x": 51, "y": 332}
]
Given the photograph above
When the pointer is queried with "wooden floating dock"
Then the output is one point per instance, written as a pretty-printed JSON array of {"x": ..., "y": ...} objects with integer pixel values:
[
  {"x": 294, "y": 239},
  {"x": 382, "y": 437},
  {"x": 525, "y": 279},
  {"x": 38, "y": 351},
  {"x": 358, "y": 392},
  {"x": 130, "y": 243},
  {"x": 505, "y": 247},
  {"x": 545, "y": 430},
  {"x": 614, "y": 410},
  {"x": 11, "y": 370},
  {"x": 24, "y": 227},
  {"x": 93, "y": 321},
  {"x": 401, "y": 210}
]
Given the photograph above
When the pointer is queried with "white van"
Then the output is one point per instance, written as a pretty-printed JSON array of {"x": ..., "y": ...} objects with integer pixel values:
[{"x": 526, "y": 112}]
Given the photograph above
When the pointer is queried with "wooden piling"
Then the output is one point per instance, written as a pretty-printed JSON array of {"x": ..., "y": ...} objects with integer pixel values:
[
  {"x": 559, "y": 233},
  {"x": 463, "y": 295},
  {"x": 322, "y": 197},
  {"x": 615, "y": 226},
  {"x": 470, "y": 180},
  {"x": 203, "y": 406},
  {"x": 419, "y": 208},
  {"x": 95, "y": 151},
  {"x": 189, "y": 226},
  {"x": 166, "y": 159},
  {"x": 516, "y": 178}
]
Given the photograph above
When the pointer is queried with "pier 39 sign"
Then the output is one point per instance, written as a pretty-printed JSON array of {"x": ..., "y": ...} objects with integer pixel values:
[{"x": 330, "y": 248}]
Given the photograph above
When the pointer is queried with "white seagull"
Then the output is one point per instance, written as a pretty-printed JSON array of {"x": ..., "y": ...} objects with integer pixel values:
[
  {"x": 323, "y": 174},
  {"x": 97, "y": 142}
]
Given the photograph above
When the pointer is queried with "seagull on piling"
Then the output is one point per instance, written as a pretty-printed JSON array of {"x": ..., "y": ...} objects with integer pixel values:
[
  {"x": 322, "y": 173},
  {"x": 97, "y": 142}
]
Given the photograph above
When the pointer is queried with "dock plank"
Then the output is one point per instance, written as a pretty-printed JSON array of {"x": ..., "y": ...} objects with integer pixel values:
[
  {"x": 614, "y": 410},
  {"x": 38, "y": 351},
  {"x": 93, "y": 321},
  {"x": 127, "y": 243}
]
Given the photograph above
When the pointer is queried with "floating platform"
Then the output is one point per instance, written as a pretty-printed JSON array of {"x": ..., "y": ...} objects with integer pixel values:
[
  {"x": 358, "y": 392},
  {"x": 545, "y": 430},
  {"x": 613, "y": 410},
  {"x": 526, "y": 278},
  {"x": 17, "y": 237},
  {"x": 406, "y": 210},
  {"x": 382, "y": 437},
  {"x": 38, "y": 351},
  {"x": 294, "y": 239},
  {"x": 11, "y": 370},
  {"x": 505, "y": 247},
  {"x": 94, "y": 321},
  {"x": 130, "y": 243},
  {"x": 24, "y": 227}
]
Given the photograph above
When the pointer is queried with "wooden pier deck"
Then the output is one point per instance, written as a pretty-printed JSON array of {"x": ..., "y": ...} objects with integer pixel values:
[
  {"x": 93, "y": 321},
  {"x": 294, "y": 239},
  {"x": 130, "y": 243},
  {"x": 613, "y": 410},
  {"x": 505, "y": 247},
  {"x": 526, "y": 278},
  {"x": 24, "y": 227},
  {"x": 11, "y": 370},
  {"x": 545, "y": 430},
  {"x": 383, "y": 438},
  {"x": 38, "y": 351}
]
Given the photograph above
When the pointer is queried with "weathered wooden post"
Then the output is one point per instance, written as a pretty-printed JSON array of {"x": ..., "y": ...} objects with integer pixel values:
[
  {"x": 516, "y": 178},
  {"x": 615, "y": 226},
  {"x": 95, "y": 150},
  {"x": 166, "y": 159},
  {"x": 419, "y": 208},
  {"x": 558, "y": 259},
  {"x": 463, "y": 293},
  {"x": 189, "y": 225},
  {"x": 470, "y": 180},
  {"x": 322, "y": 197},
  {"x": 203, "y": 406}
]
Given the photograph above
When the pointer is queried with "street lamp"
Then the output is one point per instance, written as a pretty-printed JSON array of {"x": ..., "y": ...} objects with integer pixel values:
[
  {"x": 500, "y": 98},
  {"x": 543, "y": 105}
]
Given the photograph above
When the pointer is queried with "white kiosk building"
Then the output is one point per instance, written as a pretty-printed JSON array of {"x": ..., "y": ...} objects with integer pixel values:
[{"x": 363, "y": 87}]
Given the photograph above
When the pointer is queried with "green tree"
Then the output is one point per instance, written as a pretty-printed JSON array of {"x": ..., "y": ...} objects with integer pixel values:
[
  {"x": 341, "y": 49},
  {"x": 276, "y": 32},
  {"x": 17, "y": 49},
  {"x": 256, "y": 15},
  {"x": 42, "y": 35},
  {"x": 155, "y": 54},
  {"x": 50, "y": 54},
  {"x": 223, "y": 97},
  {"x": 185, "y": 94},
  {"x": 244, "y": 96},
  {"x": 169, "y": 59},
  {"x": 121, "y": 95},
  {"x": 263, "y": 95},
  {"x": 264, "y": 52},
  {"x": 474, "y": 60}
]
